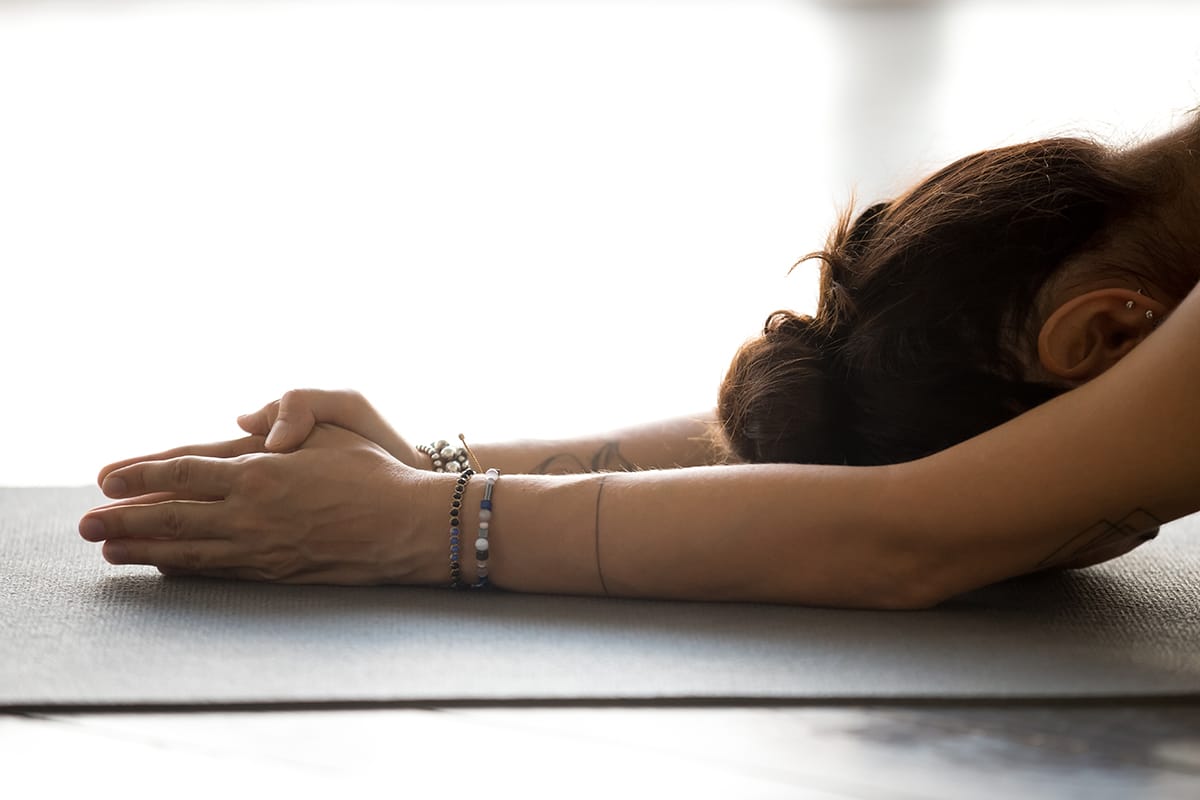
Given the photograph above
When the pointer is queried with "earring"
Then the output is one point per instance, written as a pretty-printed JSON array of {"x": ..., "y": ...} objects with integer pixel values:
[
  {"x": 1149, "y": 315},
  {"x": 1129, "y": 304}
]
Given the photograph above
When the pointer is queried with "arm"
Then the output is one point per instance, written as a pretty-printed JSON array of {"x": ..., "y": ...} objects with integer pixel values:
[
  {"x": 665, "y": 444},
  {"x": 1110, "y": 460},
  {"x": 1107, "y": 462},
  {"x": 1121, "y": 453}
]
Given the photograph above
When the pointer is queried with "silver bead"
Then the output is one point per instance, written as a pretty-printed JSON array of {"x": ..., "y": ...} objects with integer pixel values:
[
  {"x": 446, "y": 452},
  {"x": 453, "y": 466},
  {"x": 481, "y": 545}
]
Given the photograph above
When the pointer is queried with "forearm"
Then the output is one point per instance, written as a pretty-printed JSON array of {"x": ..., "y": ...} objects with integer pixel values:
[
  {"x": 666, "y": 444},
  {"x": 755, "y": 533},
  {"x": 1104, "y": 463}
]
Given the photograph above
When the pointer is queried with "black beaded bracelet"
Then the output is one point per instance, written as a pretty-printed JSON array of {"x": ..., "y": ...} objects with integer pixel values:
[{"x": 460, "y": 488}]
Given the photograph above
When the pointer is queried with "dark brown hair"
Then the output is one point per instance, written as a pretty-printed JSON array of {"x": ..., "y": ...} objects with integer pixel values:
[{"x": 922, "y": 334}]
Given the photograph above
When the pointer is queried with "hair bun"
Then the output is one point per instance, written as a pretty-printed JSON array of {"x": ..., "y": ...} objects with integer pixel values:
[{"x": 782, "y": 399}]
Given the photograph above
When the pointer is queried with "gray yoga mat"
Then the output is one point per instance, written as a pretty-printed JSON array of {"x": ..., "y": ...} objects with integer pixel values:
[{"x": 78, "y": 632}]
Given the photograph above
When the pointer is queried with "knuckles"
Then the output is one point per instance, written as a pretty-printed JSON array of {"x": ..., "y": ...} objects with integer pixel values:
[
  {"x": 339, "y": 400},
  {"x": 259, "y": 478},
  {"x": 173, "y": 524},
  {"x": 180, "y": 471},
  {"x": 190, "y": 559},
  {"x": 276, "y": 566},
  {"x": 352, "y": 399},
  {"x": 288, "y": 404}
]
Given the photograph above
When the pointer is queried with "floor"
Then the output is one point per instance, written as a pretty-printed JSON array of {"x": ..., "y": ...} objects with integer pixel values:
[{"x": 888, "y": 752}]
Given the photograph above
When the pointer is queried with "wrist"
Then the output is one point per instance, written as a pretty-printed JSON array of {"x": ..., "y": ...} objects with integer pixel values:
[
  {"x": 420, "y": 528},
  {"x": 447, "y": 489},
  {"x": 423, "y": 458}
]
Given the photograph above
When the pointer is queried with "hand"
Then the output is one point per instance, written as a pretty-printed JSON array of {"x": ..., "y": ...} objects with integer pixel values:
[
  {"x": 340, "y": 510},
  {"x": 286, "y": 422},
  {"x": 229, "y": 449}
]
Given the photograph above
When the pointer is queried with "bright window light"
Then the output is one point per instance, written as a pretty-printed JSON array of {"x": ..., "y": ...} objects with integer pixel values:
[{"x": 511, "y": 219}]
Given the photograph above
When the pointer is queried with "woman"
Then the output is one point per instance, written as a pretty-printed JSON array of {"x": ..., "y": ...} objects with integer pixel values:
[{"x": 948, "y": 419}]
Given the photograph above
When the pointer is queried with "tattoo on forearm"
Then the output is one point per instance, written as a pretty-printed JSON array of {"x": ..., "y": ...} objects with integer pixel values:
[
  {"x": 607, "y": 459},
  {"x": 560, "y": 464},
  {"x": 1137, "y": 524}
]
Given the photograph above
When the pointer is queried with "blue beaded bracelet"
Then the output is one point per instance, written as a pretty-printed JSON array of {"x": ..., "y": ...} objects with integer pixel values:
[{"x": 485, "y": 524}]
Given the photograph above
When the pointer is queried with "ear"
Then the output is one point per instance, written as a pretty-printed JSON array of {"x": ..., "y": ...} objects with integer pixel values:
[{"x": 1088, "y": 334}]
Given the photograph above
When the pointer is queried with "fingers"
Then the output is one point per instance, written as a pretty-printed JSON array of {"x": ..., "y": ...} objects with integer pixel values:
[
  {"x": 224, "y": 573},
  {"x": 171, "y": 520},
  {"x": 230, "y": 449},
  {"x": 332, "y": 577},
  {"x": 172, "y": 557},
  {"x": 259, "y": 422},
  {"x": 350, "y": 410},
  {"x": 288, "y": 421},
  {"x": 296, "y": 414},
  {"x": 156, "y": 497},
  {"x": 193, "y": 477}
]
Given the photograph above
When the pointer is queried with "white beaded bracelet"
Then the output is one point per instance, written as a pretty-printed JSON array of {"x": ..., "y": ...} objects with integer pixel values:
[{"x": 485, "y": 523}]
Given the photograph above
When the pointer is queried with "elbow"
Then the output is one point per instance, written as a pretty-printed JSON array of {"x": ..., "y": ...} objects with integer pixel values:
[
  {"x": 912, "y": 595},
  {"x": 923, "y": 572},
  {"x": 919, "y": 580}
]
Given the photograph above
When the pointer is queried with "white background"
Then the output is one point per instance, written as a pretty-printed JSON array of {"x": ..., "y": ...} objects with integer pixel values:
[{"x": 508, "y": 219}]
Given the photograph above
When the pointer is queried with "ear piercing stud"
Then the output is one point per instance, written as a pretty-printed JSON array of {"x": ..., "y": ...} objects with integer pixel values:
[
  {"x": 1150, "y": 316},
  {"x": 1129, "y": 304}
]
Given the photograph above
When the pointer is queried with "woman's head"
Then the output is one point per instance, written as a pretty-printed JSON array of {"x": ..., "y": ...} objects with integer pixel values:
[{"x": 937, "y": 311}]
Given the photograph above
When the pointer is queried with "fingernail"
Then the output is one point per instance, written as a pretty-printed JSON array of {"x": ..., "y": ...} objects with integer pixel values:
[
  {"x": 114, "y": 486},
  {"x": 275, "y": 435},
  {"x": 92, "y": 529},
  {"x": 115, "y": 553}
]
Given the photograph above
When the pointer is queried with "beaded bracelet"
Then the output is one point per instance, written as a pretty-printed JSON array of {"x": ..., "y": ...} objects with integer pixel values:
[
  {"x": 485, "y": 521},
  {"x": 455, "y": 508}
]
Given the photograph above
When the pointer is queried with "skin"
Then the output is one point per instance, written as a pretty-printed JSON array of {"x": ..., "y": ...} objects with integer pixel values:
[
  {"x": 1121, "y": 450},
  {"x": 681, "y": 442},
  {"x": 324, "y": 490}
]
